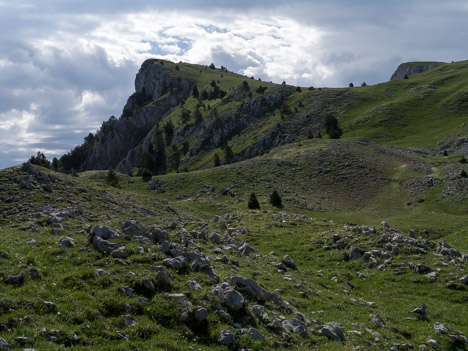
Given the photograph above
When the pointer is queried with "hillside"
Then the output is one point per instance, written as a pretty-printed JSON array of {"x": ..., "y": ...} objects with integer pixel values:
[
  {"x": 181, "y": 115},
  {"x": 368, "y": 250}
]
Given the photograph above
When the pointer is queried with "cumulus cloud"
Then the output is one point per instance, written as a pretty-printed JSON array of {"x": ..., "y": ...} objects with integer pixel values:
[{"x": 67, "y": 66}]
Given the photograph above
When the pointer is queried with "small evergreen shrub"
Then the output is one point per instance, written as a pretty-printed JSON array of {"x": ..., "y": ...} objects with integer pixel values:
[
  {"x": 146, "y": 175},
  {"x": 275, "y": 199},
  {"x": 112, "y": 178},
  {"x": 253, "y": 202}
]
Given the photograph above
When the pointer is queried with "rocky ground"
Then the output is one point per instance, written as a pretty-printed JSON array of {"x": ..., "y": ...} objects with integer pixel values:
[{"x": 87, "y": 266}]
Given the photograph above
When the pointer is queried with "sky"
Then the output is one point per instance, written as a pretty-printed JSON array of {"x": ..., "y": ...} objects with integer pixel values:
[{"x": 67, "y": 66}]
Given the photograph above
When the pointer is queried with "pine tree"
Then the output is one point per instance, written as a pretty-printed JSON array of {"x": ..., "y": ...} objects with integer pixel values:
[
  {"x": 275, "y": 199},
  {"x": 146, "y": 175},
  {"x": 195, "y": 92},
  {"x": 112, "y": 178},
  {"x": 253, "y": 202},
  {"x": 228, "y": 154},
  {"x": 169, "y": 131},
  {"x": 216, "y": 160},
  {"x": 332, "y": 128}
]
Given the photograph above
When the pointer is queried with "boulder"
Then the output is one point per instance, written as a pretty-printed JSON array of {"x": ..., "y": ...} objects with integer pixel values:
[
  {"x": 246, "y": 249},
  {"x": 16, "y": 279},
  {"x": 289, "y": 262},
  {"x": 227, "y": 338},
  {"x": 333, "y": 331},
  {"x": 103, "y": 232},
  {"x": 105, "y": 246},
  {"x": 251, "y": 288},
  {"x": 296, "y": 326},
  {"x": 177, "y": 263},
  {"x": 128, "y": 321},
  {"x": 66, "y": 242},
  {"x": 232, "y": 299},
  {"x": 120, "y": 252},
  {"x": 200, "y": 314},
  {"x": 255, "y": 334},
  {"x": 355, "y": 253},
  {"x": 193, "y": 284},
  {"x": 5, "y": 345}
]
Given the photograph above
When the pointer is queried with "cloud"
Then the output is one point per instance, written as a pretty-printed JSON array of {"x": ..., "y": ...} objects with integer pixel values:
[{"x": 67, "y": 66}]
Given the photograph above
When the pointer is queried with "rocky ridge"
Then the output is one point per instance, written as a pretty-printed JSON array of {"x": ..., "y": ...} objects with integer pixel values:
[{"x": 409, "y": 69}]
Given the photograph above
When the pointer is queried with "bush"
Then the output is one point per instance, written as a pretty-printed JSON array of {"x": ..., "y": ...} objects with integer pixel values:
[
  {"x": 253, "y": 202},
  {"x": 40, "y": 160},
  {"x": 332, "y": 128},
  {"x": 275, "y": 199},
  {"x": 462, "y": 160},
  {"x": 463, "y": 174},
  {"x": 112, "y": 178},
  {"x": 146, "y": 175},
  {"x": 216, "y": 160}
]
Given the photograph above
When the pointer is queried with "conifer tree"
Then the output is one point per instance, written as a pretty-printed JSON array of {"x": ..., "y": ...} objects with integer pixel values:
[
  {"x": 253, "y": 202},
  {"x": 275, "y": 199},
  {"x": 112, "y": 178}
]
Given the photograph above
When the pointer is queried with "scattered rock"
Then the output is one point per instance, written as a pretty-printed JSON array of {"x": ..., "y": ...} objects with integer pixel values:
[
  {"x": 246, "y": 249},
  {"x": 232, "y": 299},
  {"x": 23, "y": 340},
  {"x": 194, "y": 285},
  {"x": 16, "y": 279},
  {"x": 255, "y": 334},
  {"x": 227, "y": 338},
  {"x": 66, "y": 242},
  {"x": 129, "y": 321},
  {"x": 288, "y": 262},
  {"x": 355, "y": 253},
  {"x": 296, "y": 326},
  {"x": 420, "y": 312},
  {"x": 440, "y": 328},
  {"x": 378, "y": 321},
  {"x": 200, "y": 314},
  {"x": 177, "y": 263},
  {"x": 333, "y": 331},
  {"x": 100, "y": 272},
  {"x": 432, "y": 277},
  {"x": 4, "y": 345},
  {"x": 432, "y": 343}
]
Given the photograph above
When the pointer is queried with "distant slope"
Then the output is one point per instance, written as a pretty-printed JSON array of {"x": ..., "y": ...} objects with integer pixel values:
[
  {"x": 408, "y": 69},
  {"x": 182, "y": 115}
]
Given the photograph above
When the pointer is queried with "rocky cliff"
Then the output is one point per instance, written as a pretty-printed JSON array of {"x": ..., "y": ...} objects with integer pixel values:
[
  {"x": 156, "y": 94},
  {"x": 409, "y": 69}
]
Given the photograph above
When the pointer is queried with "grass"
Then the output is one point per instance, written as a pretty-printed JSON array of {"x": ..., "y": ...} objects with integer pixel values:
[{"x": 327, "y": 187}]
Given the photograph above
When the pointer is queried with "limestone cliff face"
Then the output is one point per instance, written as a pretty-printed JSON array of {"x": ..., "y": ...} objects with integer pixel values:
[
  {"x": 144, "y": 109},
  {"x": 409, "y": 69}
]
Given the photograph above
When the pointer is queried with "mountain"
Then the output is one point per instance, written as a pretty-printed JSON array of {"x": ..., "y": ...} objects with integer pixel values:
[
  {"x": 366, "y": 249},
  {"x": 193, "y": 112}
]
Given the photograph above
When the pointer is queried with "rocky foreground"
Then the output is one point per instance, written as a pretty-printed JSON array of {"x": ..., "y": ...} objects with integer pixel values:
[{"x": 75, "y": 275}]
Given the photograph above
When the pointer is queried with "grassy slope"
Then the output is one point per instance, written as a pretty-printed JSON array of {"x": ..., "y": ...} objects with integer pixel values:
[
  {"x": 345, "y": 181},
  {"x": 418, "y": 112},
  {"x": 91, "y": 307}
]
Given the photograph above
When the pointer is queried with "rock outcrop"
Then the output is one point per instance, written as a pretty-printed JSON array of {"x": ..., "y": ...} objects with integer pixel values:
[
  {"x": 409, "y": 69},
  {"x": 156, "y": 94}
]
